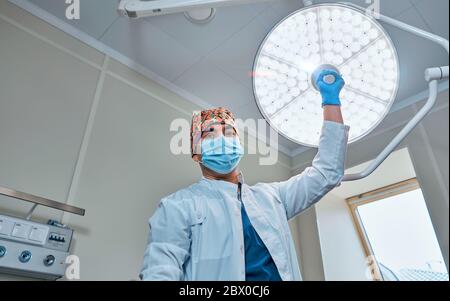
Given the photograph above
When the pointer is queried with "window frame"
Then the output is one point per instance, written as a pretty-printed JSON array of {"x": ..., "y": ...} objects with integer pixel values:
[{"x": 369, "y": 197}]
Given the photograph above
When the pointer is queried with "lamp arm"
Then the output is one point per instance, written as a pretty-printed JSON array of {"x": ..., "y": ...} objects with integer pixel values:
[
  {"x": 143, "y": 8},
  {"x": 432, "y": 75},
  {"x": 433, "y": 87}
]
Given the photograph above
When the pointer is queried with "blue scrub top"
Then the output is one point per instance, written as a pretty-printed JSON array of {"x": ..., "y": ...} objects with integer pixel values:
[{"x": 259, "y": 265}]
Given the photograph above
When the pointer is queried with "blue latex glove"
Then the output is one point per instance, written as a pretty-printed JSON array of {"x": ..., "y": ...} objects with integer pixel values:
[{"x": 330, "y": 92}]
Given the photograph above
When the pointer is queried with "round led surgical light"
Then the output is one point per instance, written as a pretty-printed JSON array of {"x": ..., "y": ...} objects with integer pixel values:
[{"x": 331, "y": 36}]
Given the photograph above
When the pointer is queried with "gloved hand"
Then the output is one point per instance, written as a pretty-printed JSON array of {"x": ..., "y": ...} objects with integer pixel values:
[{"x": 330, "y": 92}]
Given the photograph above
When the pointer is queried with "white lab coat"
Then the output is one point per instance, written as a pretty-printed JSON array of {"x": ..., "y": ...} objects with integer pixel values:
[{"x": 196, "y": 233}]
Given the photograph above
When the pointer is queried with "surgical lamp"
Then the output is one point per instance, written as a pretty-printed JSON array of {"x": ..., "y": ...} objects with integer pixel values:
[
  {"x": 345, "y": 38},
  {"x": 325, "y": 37}
]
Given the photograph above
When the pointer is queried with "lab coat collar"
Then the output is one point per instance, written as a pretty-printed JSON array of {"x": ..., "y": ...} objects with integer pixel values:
[{"x": 228, "y": 186}]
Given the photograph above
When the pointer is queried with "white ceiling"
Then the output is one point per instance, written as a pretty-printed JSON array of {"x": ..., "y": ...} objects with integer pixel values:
[{"x": 213, "y": 61}]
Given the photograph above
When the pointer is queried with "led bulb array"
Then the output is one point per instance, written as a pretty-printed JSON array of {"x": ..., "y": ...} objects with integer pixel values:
[
  {"x": 325, "y": 34},
  {"x": 373, "y": 71},
  {"x": 344, "y": 34}
]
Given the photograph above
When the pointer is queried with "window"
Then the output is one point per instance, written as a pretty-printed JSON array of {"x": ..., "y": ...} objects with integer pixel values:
[{"x": 397, "y": 234}]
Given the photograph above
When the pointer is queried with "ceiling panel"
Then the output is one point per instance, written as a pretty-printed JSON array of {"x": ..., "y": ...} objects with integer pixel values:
[
  {"x": 394, "y": 8},
  {"x": 236, "y": 56},
  {"x": 389, "y": 8},
  {"x": 214, "y": 86},
  {"x": 436, "y": 15},
  {"x": 283, "y": 8},
  {"x": 415, "y": 55},
  {"x": 149, "y": 46},
  {"x": 202, "y": 38},
  {"x": 95, "y": 15}
]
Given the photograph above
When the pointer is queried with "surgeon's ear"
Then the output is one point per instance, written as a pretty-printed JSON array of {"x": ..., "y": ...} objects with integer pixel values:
[{"x": 196, "y": 158}]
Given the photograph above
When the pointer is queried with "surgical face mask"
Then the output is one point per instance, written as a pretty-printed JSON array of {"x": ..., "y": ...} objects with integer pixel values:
[{"x": 221, "y": 154}]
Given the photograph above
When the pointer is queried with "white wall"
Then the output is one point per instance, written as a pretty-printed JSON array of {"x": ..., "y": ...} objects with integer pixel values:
[
  {"x": 80, "y": 128},
  {"x": 309, "y": 246},
  {"x": 342, "y": 251},
  {"x": 429, "y": 149}
]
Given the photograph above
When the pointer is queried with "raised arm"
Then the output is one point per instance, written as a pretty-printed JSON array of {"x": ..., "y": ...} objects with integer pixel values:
[{"x": 327, "y": 170}]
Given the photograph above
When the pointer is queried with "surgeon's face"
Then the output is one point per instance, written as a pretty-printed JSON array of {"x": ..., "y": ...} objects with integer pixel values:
[{"x": 215, "y": 131}]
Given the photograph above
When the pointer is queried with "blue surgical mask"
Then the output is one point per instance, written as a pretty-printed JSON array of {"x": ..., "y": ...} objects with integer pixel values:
[{"x": 221, "y": 154}]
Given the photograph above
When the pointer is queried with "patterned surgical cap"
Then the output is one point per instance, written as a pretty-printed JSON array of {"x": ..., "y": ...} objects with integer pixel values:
[{"x": 203, "y": 120}]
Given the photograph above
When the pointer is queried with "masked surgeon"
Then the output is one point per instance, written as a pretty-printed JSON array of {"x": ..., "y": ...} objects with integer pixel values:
[{"x": 222, "y": 229}]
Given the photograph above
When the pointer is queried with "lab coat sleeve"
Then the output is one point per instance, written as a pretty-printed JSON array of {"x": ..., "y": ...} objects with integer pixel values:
[
  {"x": 327, "y": 170},
  {"x": 168, "y": 242}
]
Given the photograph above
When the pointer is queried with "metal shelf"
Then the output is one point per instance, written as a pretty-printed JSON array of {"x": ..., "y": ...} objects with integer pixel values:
[{"x": 40, "y": 201}]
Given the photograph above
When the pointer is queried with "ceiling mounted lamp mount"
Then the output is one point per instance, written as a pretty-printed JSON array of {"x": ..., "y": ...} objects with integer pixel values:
[
  {"x": 196, "y": 11},
  {"x": 200, "y": 15},
  {"x": 349, "y": 40}
]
